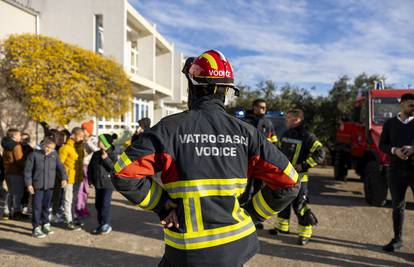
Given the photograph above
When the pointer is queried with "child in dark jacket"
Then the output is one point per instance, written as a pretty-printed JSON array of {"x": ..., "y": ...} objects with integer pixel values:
[
  {"x": 100, "y": 172},
  {"x": 39, "y": 176}
]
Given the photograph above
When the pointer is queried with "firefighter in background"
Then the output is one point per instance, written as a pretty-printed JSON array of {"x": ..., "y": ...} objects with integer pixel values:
[
  {"x": 304, "y": 151},
  {"x": 256, "y": 117},
  {"x": 204, "y": 156}
]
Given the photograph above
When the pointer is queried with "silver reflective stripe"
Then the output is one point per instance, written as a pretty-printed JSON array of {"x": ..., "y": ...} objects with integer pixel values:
[
  {"x": 292, "y": 173},
  {"x": 292, "y": 141},
  {"x": 196, "y": 188},
  {"x": 209, "y": 237},
  {"x": 259, "y": 204},
  {"x": 154, "y": 195},
  {"x": 193, "y": 214},
  {"x": 121, "y": 163},
  {"x": 239, "y": 216}
]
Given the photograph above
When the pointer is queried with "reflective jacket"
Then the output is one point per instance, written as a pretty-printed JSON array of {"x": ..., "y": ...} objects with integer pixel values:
[
  {"x": 205, "y": 156},
  {"x": 302, "y": 147}
]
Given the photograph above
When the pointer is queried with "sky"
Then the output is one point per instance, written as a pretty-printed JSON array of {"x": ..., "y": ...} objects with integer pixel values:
[{"x": 304, "y": 43}]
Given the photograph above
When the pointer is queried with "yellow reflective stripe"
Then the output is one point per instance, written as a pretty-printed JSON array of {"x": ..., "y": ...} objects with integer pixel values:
[
  {"x": 304, "y": 177},
  {"x": 122, "y": 162},
  {"x": 207, "y": 193},
  {"x": 152, "y": 198},
  {"x": 187, "y": 213},
  {"x": 282, "y": 224},
  {"x": 262, "y": 207},
  {"x": 197, "y": 182},
  {"x": 211, "y": 60},
  {"x": 305, "y": 231},
  {"x": 297, "y": 152},
  {"x": 311, "y": 162},
  {"x": 315, "y": 145},
  {"x": 236, "y": 213},
  {"x": 206, "y": 187},
  {"x": 274, "y": 139},
  {"x": 198, "y": 215},
  {"x": 117, "y": 167},
  {"x": 209, "y": 237},
  {"x": 291, "y": 172}
]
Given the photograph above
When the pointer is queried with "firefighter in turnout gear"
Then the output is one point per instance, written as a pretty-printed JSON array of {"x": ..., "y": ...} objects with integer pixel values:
[
  {"x": 256, "y": 117},
  {"x": 304, "y": 151},
  {"x": 205, "y": 156}
]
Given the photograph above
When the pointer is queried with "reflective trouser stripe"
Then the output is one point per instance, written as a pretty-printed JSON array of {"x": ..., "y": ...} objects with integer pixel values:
[
  {"x": 192, "y": 212},
  {"x": 311, "y": 162},
  {"x": 304, "y": 177},
  {"x": 272, "y": 139},
  {"x": 315, "y": 145},
  {"x": 282, "y": 224},
  {"x": 206, "y": 187},
  {"x": 210, "y": 237},
  {"x": 153, "y": 197},
  {"x": 291, "y": 172},
  {"x": 297, "y": 152},
  {"x": 305, "y": 231},
  {"x": 122, "y": 162},
  {"x": 261, "y": 207}
]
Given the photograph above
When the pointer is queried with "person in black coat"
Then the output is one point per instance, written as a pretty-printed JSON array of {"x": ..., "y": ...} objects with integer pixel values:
[
  {"x": 100, "y": 172},
  {"x": 39, "y": 176},
  {"x": 397, "y": 140}
]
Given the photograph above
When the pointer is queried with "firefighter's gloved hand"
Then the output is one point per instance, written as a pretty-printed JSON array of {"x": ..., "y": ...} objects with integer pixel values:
[
  {"x": 307, "y": 217},
  {"x": 171, "y": 219}
]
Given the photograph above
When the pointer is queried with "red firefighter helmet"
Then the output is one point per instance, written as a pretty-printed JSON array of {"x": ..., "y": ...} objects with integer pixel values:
[{"x": 211, "y": 68}]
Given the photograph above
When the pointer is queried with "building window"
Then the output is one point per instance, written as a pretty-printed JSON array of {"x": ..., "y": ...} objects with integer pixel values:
[
  {"x": 99, "y": 37},
  {"x": 134, "y": 57}
]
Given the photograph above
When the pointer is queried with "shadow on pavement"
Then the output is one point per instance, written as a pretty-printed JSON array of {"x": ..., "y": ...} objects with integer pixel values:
[
  {"x": 73, "y": 255},
  {"x": 15, "y": 231},
  {"x": 128, "y": 219},
  {"x": 319, "y": 256},
  {"x": 323, "y": 192}
]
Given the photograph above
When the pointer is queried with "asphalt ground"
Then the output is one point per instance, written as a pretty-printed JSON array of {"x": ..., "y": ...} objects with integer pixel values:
[{"x": 350, "y": 233}]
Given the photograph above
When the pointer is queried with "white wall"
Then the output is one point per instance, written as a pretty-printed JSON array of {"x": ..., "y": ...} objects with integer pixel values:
[
  {"x": 164, "y": 70},
  {"x": 74, "y": 22},
  {"x": 14, "y": 20},
  {"x": 146, "y": 59}
]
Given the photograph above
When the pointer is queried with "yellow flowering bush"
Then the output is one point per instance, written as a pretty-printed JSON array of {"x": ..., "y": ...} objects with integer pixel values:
[{"x": 58, "y": 82}]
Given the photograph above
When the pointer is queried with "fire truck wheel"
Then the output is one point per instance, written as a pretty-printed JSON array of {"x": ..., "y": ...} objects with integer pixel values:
[
  {"x": 375, "y": 185},
  {"x": 340, "y": 170}
]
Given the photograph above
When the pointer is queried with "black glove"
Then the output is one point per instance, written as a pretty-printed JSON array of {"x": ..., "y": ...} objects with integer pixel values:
[{"x": 307, "y": 217}]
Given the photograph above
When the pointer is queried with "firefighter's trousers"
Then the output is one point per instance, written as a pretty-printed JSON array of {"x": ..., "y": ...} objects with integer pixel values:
[{"x": 283, "y": 217}]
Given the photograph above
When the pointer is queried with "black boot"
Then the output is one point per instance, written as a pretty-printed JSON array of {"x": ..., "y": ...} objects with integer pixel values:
[
  {"x": 277, "y": 232},
  {"x": 303, "y": 241},
  {"x": 393, "y": 245}
]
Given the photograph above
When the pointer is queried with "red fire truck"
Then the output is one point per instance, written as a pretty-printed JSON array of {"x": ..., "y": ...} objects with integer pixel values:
[{"x": 357, "y": 140}]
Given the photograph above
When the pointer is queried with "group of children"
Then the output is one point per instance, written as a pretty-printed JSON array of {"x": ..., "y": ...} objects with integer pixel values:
[{"x": 49, "y": 174}]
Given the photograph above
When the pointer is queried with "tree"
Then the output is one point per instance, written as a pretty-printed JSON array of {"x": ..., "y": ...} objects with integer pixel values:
[
  {"x": 322, "y": 113},
  {"x": 58, "y": 82}
]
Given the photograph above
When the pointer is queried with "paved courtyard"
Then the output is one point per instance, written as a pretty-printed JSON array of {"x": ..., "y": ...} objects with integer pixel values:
[{"x": 349, "y": 233}]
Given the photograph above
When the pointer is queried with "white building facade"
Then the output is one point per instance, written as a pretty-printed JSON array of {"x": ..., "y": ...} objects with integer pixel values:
[
  {"x": 114, "y": 28},
  {"x": 16, "y": 18}
]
